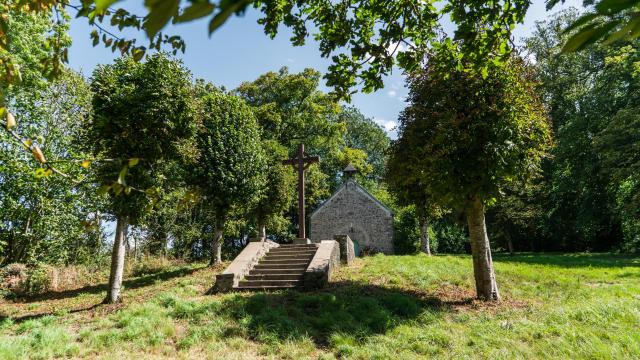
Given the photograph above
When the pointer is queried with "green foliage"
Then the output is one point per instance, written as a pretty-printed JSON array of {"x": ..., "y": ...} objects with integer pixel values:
[
  {"x": 364, "y": 134},
  {"x": 278, "y": 192},
  {"x": 141, "y": 111},
  {"x": 406, "y": 235},
  {"x": 231, "y": 163},
  {"x": 463, "y": 136},
  {"x": 619, "y": 147},
  {"x": 45, "y": 218},
  {"x": 290, "y": 109},
  {"x": 593, "y": 119},
  {"x": 29, "y": 42},
  {"x": 450, "y": 237},
  {"x": 611, "y": 21},
  {"x": 364, "y": 39},
  {"x": 518, "y": 220}
]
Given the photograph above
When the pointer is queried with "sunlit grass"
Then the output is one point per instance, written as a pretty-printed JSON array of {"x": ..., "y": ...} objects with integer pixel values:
[{"x": 400, "y": 307}]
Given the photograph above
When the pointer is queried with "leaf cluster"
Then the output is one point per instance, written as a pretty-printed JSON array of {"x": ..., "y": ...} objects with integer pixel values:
[
  {"x": 142, "y": 111},
  {"x": 463, "y": 136}
]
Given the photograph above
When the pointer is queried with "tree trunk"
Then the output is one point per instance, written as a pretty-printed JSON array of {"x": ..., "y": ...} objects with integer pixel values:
[
  {"x": 507, "y": 236},
  {"x": 216, "y": 250},
  {"x": 486, "y": 285},
  {"x": 263, "y": 232},
  {"x": 117, "y": 261},
  {"x": 425, "y": 245}
]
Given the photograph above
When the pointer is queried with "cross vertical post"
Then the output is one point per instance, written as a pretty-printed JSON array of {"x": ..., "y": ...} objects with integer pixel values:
[{"x": 301, "y": 163}]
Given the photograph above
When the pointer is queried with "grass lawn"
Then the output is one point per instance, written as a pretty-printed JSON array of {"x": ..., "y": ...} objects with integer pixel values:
[{"x": 402, "y": 307}]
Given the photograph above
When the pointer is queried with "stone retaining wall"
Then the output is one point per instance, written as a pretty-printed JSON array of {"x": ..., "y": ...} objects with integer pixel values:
[
  {"x": 322, "y": 266},
  {"x": 242, "y": 264}
]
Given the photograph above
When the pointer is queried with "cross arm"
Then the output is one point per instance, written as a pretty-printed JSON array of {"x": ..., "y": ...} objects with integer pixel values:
[{"x": 310, "y": 160}]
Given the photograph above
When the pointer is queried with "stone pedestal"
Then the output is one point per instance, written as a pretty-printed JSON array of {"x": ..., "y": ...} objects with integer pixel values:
[
  {"x": 347, "y": 251},
  {"x": 301, "y": 241}
]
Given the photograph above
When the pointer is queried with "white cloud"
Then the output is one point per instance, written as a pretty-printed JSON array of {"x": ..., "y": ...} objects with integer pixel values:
[
  {"x": 392, "y": 93},
  {"x": 290, "y": 60},
  {"x": 392, "y": 47},
  {"x": 388, "y": 125}
]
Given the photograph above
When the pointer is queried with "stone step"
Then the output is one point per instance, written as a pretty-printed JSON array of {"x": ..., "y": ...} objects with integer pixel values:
[
  {"x": 297, "y": 246},
  {"x": 290, "y": 266},
  {"x": 283, "y": 262},
  {"x": 288, "y": 257},
  {"x": 276, "y": 271},
  {"x": 292, "y": 251},
  {"x": 263, "y": 288},
  {"x": 296, "y": 276},
  {"x": 262, "y": 283}
]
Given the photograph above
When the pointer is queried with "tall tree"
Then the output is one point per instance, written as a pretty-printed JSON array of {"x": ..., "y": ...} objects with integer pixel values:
[
  {"x": 42, "y": 217},
  {"x": 364, "y": 134},
  {"x": 471, "y": 137},
  {"x": 278, "y": 192},
  {"x": 229, "y": 172},
  {"x": 583, "y": 92},
  {"x": 290, "y": 109},
  {"x": 143, "y": 115},
  {"x": 406, "y": 182}
]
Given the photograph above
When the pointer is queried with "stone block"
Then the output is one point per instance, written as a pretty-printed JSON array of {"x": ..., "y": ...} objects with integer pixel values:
[
  {"x": 301, "y": 241},
  {"x": 324, "y": 263},
  {"x": 347, "y": 251}
]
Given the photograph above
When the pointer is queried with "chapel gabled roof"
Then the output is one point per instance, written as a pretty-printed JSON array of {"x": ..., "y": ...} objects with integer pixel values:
[{"x": 343, "y": 187}]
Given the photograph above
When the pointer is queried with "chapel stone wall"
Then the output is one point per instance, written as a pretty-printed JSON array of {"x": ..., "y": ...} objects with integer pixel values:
[{"x": 351, "y": 211}]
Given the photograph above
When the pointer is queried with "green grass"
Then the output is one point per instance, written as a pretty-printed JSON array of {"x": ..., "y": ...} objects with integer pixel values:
[{"x": 575, "y": 306}]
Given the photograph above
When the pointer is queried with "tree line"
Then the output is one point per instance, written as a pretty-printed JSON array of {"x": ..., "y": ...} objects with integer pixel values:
[
  {"x": 195, "y": 169},
  {"x": 182, "y": 163}
]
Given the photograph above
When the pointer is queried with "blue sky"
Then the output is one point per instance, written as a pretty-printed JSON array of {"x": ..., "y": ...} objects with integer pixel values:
[{"x": 239, "y": 51}]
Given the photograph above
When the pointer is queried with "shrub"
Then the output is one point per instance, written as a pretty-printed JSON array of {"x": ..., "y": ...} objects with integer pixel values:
[
  {"x": 407, "y": 232},
  {"x": 23, "y": 280},
  {"x": 451, "y": 237}
]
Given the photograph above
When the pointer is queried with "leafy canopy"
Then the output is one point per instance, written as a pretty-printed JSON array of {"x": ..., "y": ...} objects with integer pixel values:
[
  {"x": 231, "y": 163},
  {"x": 143, "y": 114},
  {"x": 363, "y": 38},
  {"x": 464, "y": 136}
]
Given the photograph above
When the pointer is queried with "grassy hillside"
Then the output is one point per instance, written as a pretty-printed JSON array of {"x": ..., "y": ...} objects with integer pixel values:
[{"x": 402, "y": 307}]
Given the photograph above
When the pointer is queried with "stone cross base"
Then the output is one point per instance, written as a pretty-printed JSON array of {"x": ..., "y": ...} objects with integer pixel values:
[{"x": 299, "y": 241}]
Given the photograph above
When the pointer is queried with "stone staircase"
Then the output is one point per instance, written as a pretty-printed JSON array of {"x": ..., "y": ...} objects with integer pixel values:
[{"x": 282, "y": 267}]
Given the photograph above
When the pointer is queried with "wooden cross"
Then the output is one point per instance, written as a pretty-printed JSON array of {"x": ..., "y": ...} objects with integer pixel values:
[{"x": 301, "y": 163}]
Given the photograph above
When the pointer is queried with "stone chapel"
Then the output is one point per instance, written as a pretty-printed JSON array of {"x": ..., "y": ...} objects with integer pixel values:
[{"x": 353, "y": 211}]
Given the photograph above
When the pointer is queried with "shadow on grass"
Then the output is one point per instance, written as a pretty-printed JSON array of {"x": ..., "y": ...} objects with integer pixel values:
[
  {"x": 572, "y": 260},
  {"x": 23, "y": 318},
  {"x": 344, "y": 312},
  {"x": 133, "y": 283}
]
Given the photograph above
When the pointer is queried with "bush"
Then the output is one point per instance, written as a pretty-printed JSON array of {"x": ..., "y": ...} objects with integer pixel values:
[
  {"x": 451, "y": 237},
  {"x": 407, "y": 232},
  {"x": 23, "y": 280}
]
